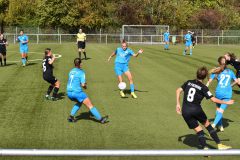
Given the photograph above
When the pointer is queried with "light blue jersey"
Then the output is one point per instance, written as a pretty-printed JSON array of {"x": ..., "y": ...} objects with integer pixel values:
[
  {"x": 166, "y": 36},
  {"x": 123, "y": 56},
  {"x": 76, "y": 77},
  {"x": 224, "y": 88},
  {"x": 23, "y": 46},
  {"x": 188, "y": 39}
]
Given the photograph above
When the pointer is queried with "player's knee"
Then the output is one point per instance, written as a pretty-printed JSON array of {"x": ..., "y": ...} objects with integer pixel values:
[
  {"x": 220, "y": 110},
  {"x": 207, "y": 123}
]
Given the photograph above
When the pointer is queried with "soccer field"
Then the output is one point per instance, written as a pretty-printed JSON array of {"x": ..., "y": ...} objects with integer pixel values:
[{"x": 149, "y": 122}]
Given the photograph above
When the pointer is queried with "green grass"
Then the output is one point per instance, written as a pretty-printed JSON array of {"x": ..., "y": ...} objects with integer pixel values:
[{"x": 149, "y": 122}]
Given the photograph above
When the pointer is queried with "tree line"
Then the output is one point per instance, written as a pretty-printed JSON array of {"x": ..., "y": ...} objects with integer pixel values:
[{"x": 96, "y": 14}]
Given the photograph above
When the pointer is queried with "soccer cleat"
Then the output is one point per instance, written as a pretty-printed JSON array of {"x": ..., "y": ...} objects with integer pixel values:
[
  {"x": 54, "y": 98},
  {"x": 223, "y": 147},
  {"x": 71, "y": 119},
  {"x": 213, "y": 126},
  {"x": 221, "y": 129},
  {"x": 133, "y": 95},
  {"x": 104, "y": 120},
  {"x": 122, "y": 94},
  {"x": 47, "y": 97},
  {"x": 24, "y": 65}
]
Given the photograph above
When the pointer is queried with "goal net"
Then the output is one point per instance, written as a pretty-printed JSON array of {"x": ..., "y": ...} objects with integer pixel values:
[{"x": 144, "y": 34}]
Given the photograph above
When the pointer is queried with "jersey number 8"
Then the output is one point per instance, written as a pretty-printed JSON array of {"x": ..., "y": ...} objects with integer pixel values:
[{"x": 191, "y": 93}]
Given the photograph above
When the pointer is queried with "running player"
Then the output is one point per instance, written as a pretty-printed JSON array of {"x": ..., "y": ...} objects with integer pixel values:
[
  {"x": 77, "y": 81},
  {"x": 166, "y": 36},
  {"x": 47, "y": 65},
  {"x": 232, "y": 60},
  {"x": 192, "y": 112},
  {"x": 3, "y": 50},
  {"x": 23, "y": 41},
  {"x": 81, "y": 42},
  {"x": 223, "y": 90},
  {"x": 188, "y": 43},
  {"x": 121, "y": 65}
]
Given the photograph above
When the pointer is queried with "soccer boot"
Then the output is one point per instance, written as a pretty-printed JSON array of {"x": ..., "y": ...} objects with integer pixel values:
[
  {"x": 223, "y": 147},
  {"x": 122, "y": 94},
  {"x": 71, "y": 119},
  {"x": 54, "y": 98},
  {"x": 104, "y": 120},
  {"x": 221, "y": 128},
  {"x": 213, "y": 126},
  {"x": 23, "y": 65},
  {"x": 47, "y": 97},
  {"x": 133, "y": 95}
]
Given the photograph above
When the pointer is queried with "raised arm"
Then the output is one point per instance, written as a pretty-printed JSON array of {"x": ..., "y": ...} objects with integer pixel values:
[
  {"x": 140, "y": 51},
  {"x": 209, "y": 81},
  {"x": 178, "y": 106}
]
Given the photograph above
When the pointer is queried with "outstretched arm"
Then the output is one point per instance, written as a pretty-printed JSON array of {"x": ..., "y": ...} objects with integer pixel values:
[
  {"x": 178, "y": 106},
  {"x": 112, "y": 55},
  {"x": 215, "y": 100},
  {"x": 140, "y": 51}
]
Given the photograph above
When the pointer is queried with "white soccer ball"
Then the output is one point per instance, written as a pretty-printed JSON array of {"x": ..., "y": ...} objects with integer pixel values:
[{"x": 122, "y": 85}]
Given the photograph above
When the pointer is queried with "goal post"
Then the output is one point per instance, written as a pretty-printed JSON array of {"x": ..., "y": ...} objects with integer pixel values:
[{"x": 144, "y": 34}]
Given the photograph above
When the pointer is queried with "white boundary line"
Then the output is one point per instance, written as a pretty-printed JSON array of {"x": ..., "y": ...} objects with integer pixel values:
[
  {"x": 54, "y": 152},
  {"x": 33, "y": 60}
]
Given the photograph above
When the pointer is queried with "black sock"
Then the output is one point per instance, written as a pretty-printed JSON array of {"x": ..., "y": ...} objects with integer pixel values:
[
  {"x": 5, "y": 60},
  {"x": 50, "y": 88},
  {"x": 55, "y": 91},
  {"x": 79, "y": 53},
  {"x": 1, "y": 61},
  {"x": 213, "y": 134},
  {"x": 26, "y": 58},
  {"x": 85, "y": 55},
  {"x": 201, "y": 139}
]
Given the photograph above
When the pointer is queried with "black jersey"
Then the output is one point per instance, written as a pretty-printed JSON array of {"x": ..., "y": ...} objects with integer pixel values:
[
  {"x": 235, "y": 63},
  {"x": 194, "y": 92},
  {"x": 47, "y": 68},
  {"x": 3, "y": 44},
  {"x": 193, "y": 38}
]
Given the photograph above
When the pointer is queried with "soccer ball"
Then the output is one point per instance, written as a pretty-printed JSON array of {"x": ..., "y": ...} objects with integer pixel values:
[{"x": 122, "y": 85}]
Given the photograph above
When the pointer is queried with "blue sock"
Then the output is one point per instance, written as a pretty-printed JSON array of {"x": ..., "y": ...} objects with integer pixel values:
[
  {"x": 132, "y": 87},
  {"x": 190, "y": 51},
  {"x": 217, "y": 118},
  {"x": 75, "y": 108},
  {"x": 23, "y": 62},
  {"x": 167, "y": 46},
  {"x": 95, "y": 113},
  {"x": 220, "y": 122}
]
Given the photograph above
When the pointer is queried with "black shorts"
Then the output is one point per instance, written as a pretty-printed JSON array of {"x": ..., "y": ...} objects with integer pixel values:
[
  {"x": 193, "y": 115},
  {"x": 238, "y": 74},
  {"x": 3, "y": 52},
  {"x": 50, "y": 79},
  {"x": 81, "y": 44}
]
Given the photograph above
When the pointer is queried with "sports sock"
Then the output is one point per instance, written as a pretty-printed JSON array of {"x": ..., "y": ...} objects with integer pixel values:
[
  {"x": 23, "y": 61},
  {"x": 219, "y": 116},
  {"x": 5, "y": 61},
  {"x": 85, "y": 55},
  {"x": 132, "y": 87},
  {"x": 213, "y": 134},
  {"x": 55, "y": 91},
  {"x": 167, "y": 46},
  {"x": 201, "y": 139},
  {"x": 1, "y": 61},
  {"x": 95, "y": 113},
  {"x": 50, "y": 88},
  {"x": 190, "y": 51},
  {"x": 79, "y": 54},
  {"x": 26, "y": 58},
  {"x": 75, "y": 108}
]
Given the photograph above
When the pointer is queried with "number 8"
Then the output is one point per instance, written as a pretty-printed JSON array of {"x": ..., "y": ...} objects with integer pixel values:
[{"x": 191, "y": 94}]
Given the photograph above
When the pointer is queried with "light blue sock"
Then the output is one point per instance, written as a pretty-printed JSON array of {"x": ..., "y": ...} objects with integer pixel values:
[
  {"x": 190, "y": 51},
  {"x": 132, "y": 87},
  {"x": 95, "y": 113},
  {"x": 75, "y": 108},
  {"x": 167, "y": 46},
  {"x": 23, "y": 61},
  {"x": 217, "y": 118}
]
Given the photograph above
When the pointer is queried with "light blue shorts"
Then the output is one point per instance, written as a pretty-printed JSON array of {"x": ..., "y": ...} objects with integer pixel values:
[
  {"x": 224, "y": 98},
  {"x": 188, "y": 44},
  {"x": 77, "y": 96},
  {"x": 121, "y": 68},
  {"x": 24, "y": 50}
]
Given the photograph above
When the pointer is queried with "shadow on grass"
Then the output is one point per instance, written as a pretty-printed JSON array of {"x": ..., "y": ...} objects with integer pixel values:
[
  {"x": 61, "y": 95},
  {"x": 87, "y": 116},
  {"x": 225, "y": 122}
]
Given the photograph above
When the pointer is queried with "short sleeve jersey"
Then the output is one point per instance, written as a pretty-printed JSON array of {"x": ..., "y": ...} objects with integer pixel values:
[
  {"x": 188, "y": 38},
  {"x": 194, "y": 92},
  {"x": 3, "y": 44},
  {"x": 22, "y": 39},
  {"x": 166, "y": 36},
  {"x": 123, "y": 56},
  {"x": 76, "y": 77},
  {"x": 81, "y": 37}
]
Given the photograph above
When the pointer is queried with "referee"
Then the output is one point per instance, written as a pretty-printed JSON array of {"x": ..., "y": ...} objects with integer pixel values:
[
  {"x": 81, "y": 42},
  {"x": 3, "y": 50}
]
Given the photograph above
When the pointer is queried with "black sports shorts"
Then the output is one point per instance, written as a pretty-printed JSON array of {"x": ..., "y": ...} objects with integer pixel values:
[
  {"x": 193, "y": 115},
  {"x": 81, "y": 44},
  {"x": 50, "y": 79},
  {"x": 3, "y": 52}
]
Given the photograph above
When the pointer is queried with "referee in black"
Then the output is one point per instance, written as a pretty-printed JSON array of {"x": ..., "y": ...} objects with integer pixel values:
[
  {"x": 81, "y": 42},
  {"x": 3, "y": 50},
  {"x": 47, "y": 65},
  {"x": 192, "y": 112}
]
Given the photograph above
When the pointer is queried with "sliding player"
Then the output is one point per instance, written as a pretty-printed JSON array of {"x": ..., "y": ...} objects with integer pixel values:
[
  {"x": 192, "y": 112},
  {"x": 223, "y": 90},
  {"x": 23, "y": 41},
  {"x": 76, "y": 80},
  {"x": 166, "y": 36},
  {"x": 48, "y": 74},
  {"x": 121, "y": 65},
  {"x": 188, "y": 43}
]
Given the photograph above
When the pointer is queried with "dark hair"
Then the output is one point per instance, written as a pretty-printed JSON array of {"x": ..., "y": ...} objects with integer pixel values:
[
  {"x": 221, "y": 66},
  {"x": 202, "y": 73},
  {"x": 232, "y": 55},
  {"x": 21, "y": 30},
  {"x": 47, "y": 50},
  {"x": 77, "y": 62},
  {"x": 124, "y": 41}
]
